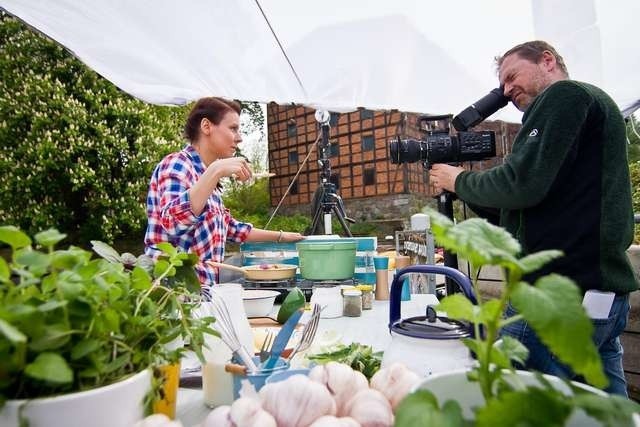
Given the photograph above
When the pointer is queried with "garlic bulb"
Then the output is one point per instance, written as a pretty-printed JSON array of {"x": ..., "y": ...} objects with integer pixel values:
[
  {"x": 341, "y": 381},
  {"x": 395, "y": 382},
  {"x": 370, "y": 408},
  {"x": 297, "y": 401},
  {"x": 331, "y": 421},
  {"x": 244, "y": 412}
]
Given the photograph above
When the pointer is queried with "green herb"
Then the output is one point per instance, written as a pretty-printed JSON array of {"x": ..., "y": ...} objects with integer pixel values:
[
  {"x": 360, "y": 357},
  {"x": 552, "y": 306},
  {"x": 69, "y": 322}
]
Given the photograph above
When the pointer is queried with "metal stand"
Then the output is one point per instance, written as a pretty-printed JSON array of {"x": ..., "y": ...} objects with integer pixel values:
[
  {"x": 325, "y": 200},
  {"x": 445, "y": 207}
]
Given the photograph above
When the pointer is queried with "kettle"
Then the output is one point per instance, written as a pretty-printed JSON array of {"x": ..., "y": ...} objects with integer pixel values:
[{"x": 428, "y": 344}]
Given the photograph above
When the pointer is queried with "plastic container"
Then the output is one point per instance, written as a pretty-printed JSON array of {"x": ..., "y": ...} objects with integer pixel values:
[
  {"x": 352, "y": 303},
  {"x": 257, "y": 380},
  {"x": 327, "y": 260},
  {"x": 330, "y": 298}
]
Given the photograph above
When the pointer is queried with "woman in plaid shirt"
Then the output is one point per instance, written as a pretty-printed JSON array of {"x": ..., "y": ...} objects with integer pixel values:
[{"x": 184, "y": 203}]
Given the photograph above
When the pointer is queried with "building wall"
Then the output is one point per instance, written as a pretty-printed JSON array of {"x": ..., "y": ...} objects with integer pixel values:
[{"x": 360, "y": 165}]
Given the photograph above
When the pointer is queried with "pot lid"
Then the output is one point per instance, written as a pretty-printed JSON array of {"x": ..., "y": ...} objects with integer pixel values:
[{"x": 431, "y": 326}]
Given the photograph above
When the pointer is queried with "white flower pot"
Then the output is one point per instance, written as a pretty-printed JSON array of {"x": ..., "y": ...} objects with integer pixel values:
[
  {"x": 114, "y": 405},
  {"x": 454, "y": 385}
]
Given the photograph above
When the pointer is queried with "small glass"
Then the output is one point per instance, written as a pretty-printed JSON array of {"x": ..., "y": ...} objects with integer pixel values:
[
  {"x": 352, "y": 303},
  {"x": 367, "y": 296}
]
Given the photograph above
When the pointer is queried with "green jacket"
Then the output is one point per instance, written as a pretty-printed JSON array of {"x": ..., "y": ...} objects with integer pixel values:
[{"x": 566, "y": 186}]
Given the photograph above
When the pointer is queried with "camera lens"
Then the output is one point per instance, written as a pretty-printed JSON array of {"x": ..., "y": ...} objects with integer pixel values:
[{"x": 405, "y": 151}]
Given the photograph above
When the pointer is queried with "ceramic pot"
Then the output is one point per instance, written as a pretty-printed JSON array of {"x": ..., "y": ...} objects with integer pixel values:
[{"x": 117, "y": 404}]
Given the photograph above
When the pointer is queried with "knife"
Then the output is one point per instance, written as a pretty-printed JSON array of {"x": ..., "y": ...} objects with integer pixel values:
[{"x": 281, "y": 340}]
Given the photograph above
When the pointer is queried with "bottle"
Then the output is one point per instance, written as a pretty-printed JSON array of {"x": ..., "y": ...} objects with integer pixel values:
[{"x": 367, "y": 296}]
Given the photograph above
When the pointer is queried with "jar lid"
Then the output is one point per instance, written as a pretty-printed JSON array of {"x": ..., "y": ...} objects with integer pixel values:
[
  {"x": 352, "y": 292},
  {"x": 365, "y": 288}
]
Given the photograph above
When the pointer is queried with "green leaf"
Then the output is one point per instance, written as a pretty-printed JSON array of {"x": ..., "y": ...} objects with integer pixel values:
[
  {"x": 51, "y": 368},
  {"x": 13, "y": 237},
  {"x": 36, "y": 261},
  {"x": 65, "y": 260},
  {"x": 11, "y": 333},
  {"x": 106, "y": 251},
  {"x": 512, "y": 349},
  {"x": 5, "y": 272},
  {"x": 160, "y": 267},
  {"x": 530, "y": 407},
  {"x": 187, "y": 275},
  {"x": 49, "y": 238},
  {"x": 51, "y": 305},
  {"x": 140, "y": 279},
  {"x": 490, "y": 311},
  {"x": 420, "y": 409},
  {"x": 553, "y": 308},
  {"x": 537, "y": 260},
  {"x": 84, "y": 347},
  {"x": 478, "y": 241},
  {"x": 610, "y": 410},
  {"x": 167, "y": 248},
  {"x": 55, "y": 336},
  {"x": 458, "y": 307}
]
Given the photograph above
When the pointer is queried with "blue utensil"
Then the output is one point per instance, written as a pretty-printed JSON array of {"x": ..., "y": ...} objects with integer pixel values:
[{"x": 282, "y": 339}]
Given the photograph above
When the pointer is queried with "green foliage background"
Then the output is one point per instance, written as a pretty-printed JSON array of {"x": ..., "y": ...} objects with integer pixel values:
[{"x": 75, "y": 151}]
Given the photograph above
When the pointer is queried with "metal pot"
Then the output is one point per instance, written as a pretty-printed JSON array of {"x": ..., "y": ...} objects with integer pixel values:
[
  {"x": 259, "y": 272},
  {"x": 428, "y": 344}
]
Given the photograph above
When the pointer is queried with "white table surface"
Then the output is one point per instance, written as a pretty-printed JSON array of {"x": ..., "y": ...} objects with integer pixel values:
[{"x": 371, "y": 329}]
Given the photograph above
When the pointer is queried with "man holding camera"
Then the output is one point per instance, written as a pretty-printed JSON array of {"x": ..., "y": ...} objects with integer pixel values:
[{"x": 564, "y": 186}]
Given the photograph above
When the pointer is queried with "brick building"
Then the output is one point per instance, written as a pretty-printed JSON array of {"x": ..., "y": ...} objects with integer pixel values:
[{"x": 360, "y": 165}]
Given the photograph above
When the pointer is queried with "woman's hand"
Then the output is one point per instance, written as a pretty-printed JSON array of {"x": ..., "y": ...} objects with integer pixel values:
[
  {"x": 288, "y": 236},
  {"x": 234, "y": 167}
]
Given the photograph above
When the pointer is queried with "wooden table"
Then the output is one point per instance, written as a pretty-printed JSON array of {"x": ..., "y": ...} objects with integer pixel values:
[{"x": 371, "y": 329}]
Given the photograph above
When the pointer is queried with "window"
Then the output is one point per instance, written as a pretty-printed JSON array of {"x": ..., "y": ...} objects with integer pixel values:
[
  {"x": 369, "y": 176},
  {"x": 333, "y": 121},
  {"x": 294, "y": 188},
  {"x": 368, "y": 143},
  {"x": 366, "y": 114},
  {"x": 335, "y": 180},
  {"x": 292, "y": 129},
  {"x": 293, "y": 157},
  {"x": 334, "y": 151}
]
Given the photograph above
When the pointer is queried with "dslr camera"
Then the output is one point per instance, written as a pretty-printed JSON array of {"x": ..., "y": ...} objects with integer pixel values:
[{"x": 438, "y": 144}]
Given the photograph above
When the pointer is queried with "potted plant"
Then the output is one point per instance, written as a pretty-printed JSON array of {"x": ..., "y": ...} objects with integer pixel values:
[
  {"x": 77, "y": 333},
  {"x": 494, "y": 392}
]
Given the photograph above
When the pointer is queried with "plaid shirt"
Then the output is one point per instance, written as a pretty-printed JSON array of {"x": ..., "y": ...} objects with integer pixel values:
[{"x": 172, "y": 220}]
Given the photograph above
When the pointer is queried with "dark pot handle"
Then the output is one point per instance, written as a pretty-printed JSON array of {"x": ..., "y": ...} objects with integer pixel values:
[{"x": 396, "y": 286}]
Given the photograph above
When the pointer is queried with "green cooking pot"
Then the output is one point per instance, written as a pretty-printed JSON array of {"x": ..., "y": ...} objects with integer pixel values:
[{"x": 321, "y": 260}]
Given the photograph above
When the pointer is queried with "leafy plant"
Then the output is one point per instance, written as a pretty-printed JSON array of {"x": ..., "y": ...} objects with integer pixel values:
[
  {"x": 551, "y": 306},
  {"x": 70, "y": 323},
  {"x": 360, "y": 357}
]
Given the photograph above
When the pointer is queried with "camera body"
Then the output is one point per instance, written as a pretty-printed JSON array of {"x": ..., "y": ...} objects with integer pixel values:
[{"x": 440, "y": 146}]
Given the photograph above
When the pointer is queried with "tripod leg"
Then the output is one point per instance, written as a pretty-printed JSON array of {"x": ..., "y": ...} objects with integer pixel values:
[
  {"x": 343, "y": 223},
  {"x": 316, "y": 220}
]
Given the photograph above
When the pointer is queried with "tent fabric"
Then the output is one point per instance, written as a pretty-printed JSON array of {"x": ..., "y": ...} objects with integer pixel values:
[{"x": 420, "y": 56}]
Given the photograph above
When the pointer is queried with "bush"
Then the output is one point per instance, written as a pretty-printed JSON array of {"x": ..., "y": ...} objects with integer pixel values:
[{"x": 76, "y": 151}]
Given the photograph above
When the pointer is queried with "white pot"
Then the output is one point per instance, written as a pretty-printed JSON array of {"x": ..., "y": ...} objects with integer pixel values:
[
  {"x": 114, "y": 405},
  {"x": 456, "y": 386},
  {"x": 427, "y": 356},
  {"x": 259, "y": 302}
]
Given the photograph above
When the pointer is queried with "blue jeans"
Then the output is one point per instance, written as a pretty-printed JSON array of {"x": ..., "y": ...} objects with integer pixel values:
[{"x": 606, "y": 337}]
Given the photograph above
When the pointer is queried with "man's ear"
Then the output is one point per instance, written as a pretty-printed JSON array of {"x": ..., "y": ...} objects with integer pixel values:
[{"x": 548, "y": 60}]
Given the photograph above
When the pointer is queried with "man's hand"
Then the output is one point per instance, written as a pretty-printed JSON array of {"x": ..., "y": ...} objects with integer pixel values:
[{"x": 443, "y": 177}]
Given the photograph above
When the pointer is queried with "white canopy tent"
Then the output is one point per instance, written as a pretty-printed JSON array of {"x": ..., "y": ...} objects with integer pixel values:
[{"x": 421, "y": 56}]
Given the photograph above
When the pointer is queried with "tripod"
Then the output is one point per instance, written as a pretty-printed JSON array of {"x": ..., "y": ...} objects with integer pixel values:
[
  {"x": 445, "y": 207},
  {"x": 325, "y": 200}
]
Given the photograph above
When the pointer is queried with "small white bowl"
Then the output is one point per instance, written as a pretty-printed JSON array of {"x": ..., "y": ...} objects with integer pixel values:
[{"x": 258, "y": 303}]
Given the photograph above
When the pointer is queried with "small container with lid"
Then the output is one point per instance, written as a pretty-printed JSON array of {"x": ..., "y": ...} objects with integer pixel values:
[
  {"x": 330, "y": 298},
  {"x": 352, "y": 303},
  {"x": 367, "y": 296}
]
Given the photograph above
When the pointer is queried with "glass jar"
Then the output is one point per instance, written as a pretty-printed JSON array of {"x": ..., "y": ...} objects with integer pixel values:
[
  {"x": 330, "y": 299},
  {"x": 352, "y": 303},
  {"x": 367, "y": 296}
]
